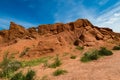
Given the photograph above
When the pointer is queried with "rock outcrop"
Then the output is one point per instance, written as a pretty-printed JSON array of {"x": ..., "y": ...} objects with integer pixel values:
[{"x": 54, "y": 37}]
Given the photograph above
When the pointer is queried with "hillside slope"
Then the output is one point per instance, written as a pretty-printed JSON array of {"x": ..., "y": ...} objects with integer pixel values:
[{"x": 55, "y": 38}]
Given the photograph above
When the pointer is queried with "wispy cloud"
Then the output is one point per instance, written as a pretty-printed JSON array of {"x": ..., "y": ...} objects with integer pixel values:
[
  {"x": 110, "y": 18},
  {"x": 72, "y": 10},
  {"x": 107, "y": 18},
  {"x": 100, "y": 12}
]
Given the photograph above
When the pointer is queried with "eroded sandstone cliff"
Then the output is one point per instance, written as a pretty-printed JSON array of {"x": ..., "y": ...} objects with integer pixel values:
[{"x": 56, "y": 37}]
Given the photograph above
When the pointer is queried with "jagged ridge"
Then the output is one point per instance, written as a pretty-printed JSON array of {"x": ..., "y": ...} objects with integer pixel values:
[{"x": 54, "y": 37}]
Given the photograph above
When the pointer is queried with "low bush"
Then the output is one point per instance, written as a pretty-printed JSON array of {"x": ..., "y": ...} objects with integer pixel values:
[
  {"x": 30, "y": 75},
  {"x": 79, "y": 47},
  {"x": 88, "y": 56},
  {"x": 73, "y": 57},
  {"x": 24, "y": 52},
  {"x": 56, "y": 63},
  {"x": 8, "y": 66},
  {"x": 104, "y": 52},
  {"x": 35, "y": 62},
  {"x": 59, "y": 72},
  {"x": 94, "y": 55},
  {"x": 19, "y": 76},
  {"x": 116, "y": 48}
]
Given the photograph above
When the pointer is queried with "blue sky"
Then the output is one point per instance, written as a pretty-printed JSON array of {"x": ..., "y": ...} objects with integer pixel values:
[{"x": 35, "y": 12}]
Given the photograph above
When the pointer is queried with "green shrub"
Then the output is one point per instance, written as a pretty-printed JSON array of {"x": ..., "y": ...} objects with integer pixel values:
[
  {"x": 11, "y": 67},
  {"x": 73, "y": 57},
  {"x": 59, "y": 72},
  {"x": 56, "y": 63},
  {"x": 104, "y": 52},
  {"x": 35, "y": 62},
  {"x": 79, "y": 47},
  {"x": 94, "y": 55},
  {"x": 45, "y": 64},
  {"x": 8, "y": 66},
  {"x": 30, "y": 75},
  {"x": 19, "y": 76},
  {"x": 116, "y": 48},
  {"x": 88, "y": 56},
  {"x": 5, "y": 61},
  {"x": 24, "y": 52}
]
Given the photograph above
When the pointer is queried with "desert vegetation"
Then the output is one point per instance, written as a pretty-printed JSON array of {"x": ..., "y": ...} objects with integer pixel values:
[
  {"x": 20, "y": 76},
  {"x": 57, "y": 62},
  {"x": 73, "y": 56},
  {"x": 9, "y": 66},
  {"x": 90, "y": 55},
  {"x": 24, "y": 52},
  {"x": 116, "y": 47},
  {"x": 104, "y": 52},
  {"x": 79, "y": 47},
  {"x": 35, "y": 62},
  {"x": 95, "y": 54},
  {"x": 35, "y": 45},
  {"x": 59, "y": 72}
]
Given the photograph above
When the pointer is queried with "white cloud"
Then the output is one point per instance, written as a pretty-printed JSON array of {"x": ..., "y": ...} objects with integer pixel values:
[
  {"x": 74, "y": 10},
  {"x": 117, "y": 14},
  {"x": 108, "y": 18}
]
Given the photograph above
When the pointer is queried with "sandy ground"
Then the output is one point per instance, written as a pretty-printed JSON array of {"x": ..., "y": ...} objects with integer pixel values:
[{"x": 105, "y": 68}]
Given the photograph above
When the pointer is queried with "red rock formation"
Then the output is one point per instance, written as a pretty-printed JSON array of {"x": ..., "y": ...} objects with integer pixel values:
[
  {"x": 16, "y": 31},
  {"x": 54, "y": 37}
]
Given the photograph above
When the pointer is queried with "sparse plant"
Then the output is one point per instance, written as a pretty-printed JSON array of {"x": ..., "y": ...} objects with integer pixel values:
[
  {"x": 116, "y": 47},
  {"x": 8, "y": 66},
  {"x": 56, "y": 63},
  {"x": 30, "y": 75},
  {"x": 19, "y": 76},
  {"x": 5, "y": 61},
  {"x": 24, "y": 52},
  {"x": 45, "y": 64},
  {"x": 94, "y": 55},
  {"x": 88, "y": 56},
  {"x": 73, "y": 57},
  {"x": 104, "y": 52},
  {"x": 35, "y": 62},
  {"x": 79, "y": 47},
  {"x": 59, "y": 72}
]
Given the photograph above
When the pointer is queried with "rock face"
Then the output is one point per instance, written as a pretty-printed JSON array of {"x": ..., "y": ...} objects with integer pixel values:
[
  {"x": 54, "y": 37},
  {"x": 16, "y": 32}
]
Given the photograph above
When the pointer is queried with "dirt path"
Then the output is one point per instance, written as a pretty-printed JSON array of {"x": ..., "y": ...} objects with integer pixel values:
[{"x": 106, "y": 68}]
